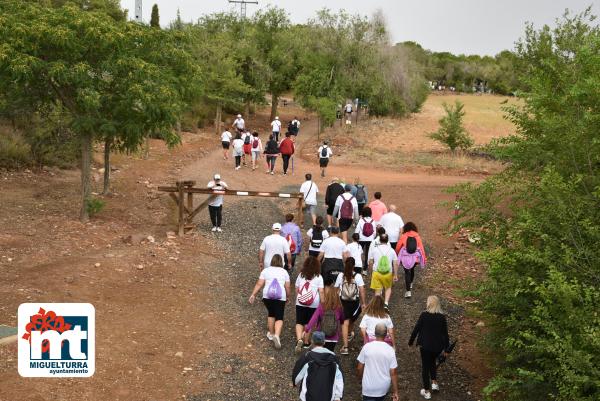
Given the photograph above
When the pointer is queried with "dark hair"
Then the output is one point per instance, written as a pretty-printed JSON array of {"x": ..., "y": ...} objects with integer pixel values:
[
  {"x": 349, "y": 269},
  {"x": 289, "y": 217},
  {"x": 288, "y": 134},
  {"x": 383, "y": 238},
  {"x": 366, "y": 212},
  {"x": 277, "y": 261},
  {"x": 271, "y": 137},
  {"x": 308, "y": 177},
  {"x": 255, "y": 133},
  {"x": 238, "y": 136},
  {"x": 377, "y": 195},
  {"x": 319, "y": 222},
  {"x": 355, "y": 237},
  {"x": 380, "y": 231},
  {"x": 409, "y": 226},
  {"x": 311, "y": 268}
]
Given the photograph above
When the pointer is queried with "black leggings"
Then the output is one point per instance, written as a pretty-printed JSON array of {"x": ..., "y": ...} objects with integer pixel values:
[
  {"x": 215, "y": 215},
  {"x": 286, "y": 162},
  {"x": 271, "y": 160},
  {"x": 365, "y": 246},
  {"x": 409, "y": 276},
  {"x": 238, "y": 161},
  {"x": 428, "y": 368}
]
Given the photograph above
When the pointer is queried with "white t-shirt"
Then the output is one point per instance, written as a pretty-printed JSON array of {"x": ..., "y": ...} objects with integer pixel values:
[
  {"x": 329, "y": 152},
  {"x": 333, "y": 247},
  {"x": 274, "y": 244},
  {"x": 392, "y": 223},
  {"x": 379, "y": 358},
  {"x": 238, "y": 147},
  {"x": 276, "y": 124},
  {"x": 377, "y": 251},
  {"x": 275, "y": 273},
  {"x": 226, "y": 136},
  {"x": 259, "y": 147},
  {"x": 358, "y": 279},
  {"x": 359, "y": 229},
  {"x": 310, "y": 190},
  {"x": 369, "y": 322},
  {"x": 315, "y": 284},
  {"x": 218, "y": 201},
  {"x": 348, "y": 108},
  {"x": 309, "y": 233},
  {"x": 337, "y": 210},
  {"x": 239, "y": 123},
  {"x": 355, "y": 251},
  {"x": 296, "y": 122}
]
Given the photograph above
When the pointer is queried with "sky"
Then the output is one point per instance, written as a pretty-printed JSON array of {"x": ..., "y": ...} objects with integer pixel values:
[{"x": 483, "y": 27}]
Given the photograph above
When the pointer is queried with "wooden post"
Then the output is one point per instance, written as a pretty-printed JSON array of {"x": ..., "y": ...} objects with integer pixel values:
[
  {"x": 180, "y": 218},
  {"x": 190, "y": 197},
  {"x": 300, "y": 214}
]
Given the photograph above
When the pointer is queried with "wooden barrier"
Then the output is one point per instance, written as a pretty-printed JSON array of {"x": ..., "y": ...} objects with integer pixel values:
[{"x": 183, "y": 195}]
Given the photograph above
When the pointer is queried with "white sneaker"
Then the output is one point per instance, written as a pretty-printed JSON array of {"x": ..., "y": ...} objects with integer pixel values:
[
  {"x": 426, "y": 394},
  {"x": 269, "y": 336},
  {"x": 411, "y": 284},
  {"x": 219, "y": 229},
  {"x": 435, "y": 387},
  {"x": 276, "y": 342},
  {"x": 407, "y": 294},
  {"x": 237, "y": 168},
  {"x": 214, "y": 229}
]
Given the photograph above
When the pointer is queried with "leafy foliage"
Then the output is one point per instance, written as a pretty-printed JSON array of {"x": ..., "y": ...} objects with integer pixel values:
[
  {"x": 452, "y": 133},
  {"x": 155, "y": 17}
]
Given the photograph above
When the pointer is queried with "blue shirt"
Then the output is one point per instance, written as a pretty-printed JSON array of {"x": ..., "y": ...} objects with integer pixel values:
[{"x": 293, "y": 230}]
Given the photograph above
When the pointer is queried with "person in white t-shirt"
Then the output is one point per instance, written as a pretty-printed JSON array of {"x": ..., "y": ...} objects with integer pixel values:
[
  {"x": 256, "y": 148},
  {"x": 309, "y": 292},
  {"x": 316, "y": 235},
  {"x": 273, "y": 244},
  {"x": 238, "y": 150},
  {"x": 376, "y": 313},
  {"x": 367, "y": 230},
  {"x": 239, "y": 123},
  {"x": 215, "y": 207},
  {"x": 354, "y": 250},
  {"x": 325, "y": 154},
  {"x": 225, "y": 142},
  {"x": 352, "y": 295},
  {"x": 276, "y": 128},
  {"x": 332, "y": 256},
  {"x": 310, "y": 190},
  {"x": 276, "y": 292},
  {"x": 345, "y": 216},
  {"x": 393, "y": 224},
  {"x": 381, "y": 280},
  {"x": 377, "y": 366}
]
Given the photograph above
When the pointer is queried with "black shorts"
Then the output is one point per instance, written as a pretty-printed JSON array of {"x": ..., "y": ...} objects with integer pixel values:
[
  {"x": 225, "y": 145},
  {"x": 275, "y": 308},
  {"x": 330, "y": 268},
  {"x": 323, "y": 161},
  {"x": 352, "y": 310},
  {"x": 330, "y": 210},
  {"x": 314, "y": 253},
  {"x": 304, "y": 314},
  {"x": 361, "y": 206},
  {"x": 345, "y": 224}
]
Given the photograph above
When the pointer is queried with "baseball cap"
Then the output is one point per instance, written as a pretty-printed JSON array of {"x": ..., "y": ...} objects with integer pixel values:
[
  {"x": 318, "y": 337},
  {"x": 276, "y": 227},
  {"x": 217, "y": 177},
  {"x": 239, "y": 116}
]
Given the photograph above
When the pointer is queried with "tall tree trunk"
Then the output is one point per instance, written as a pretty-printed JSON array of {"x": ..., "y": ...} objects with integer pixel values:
[
  {"x": 86, "y": 167},
  {"x": 274, "y": 103},
  {"x": 218, "y": 119},
  {"x": 107, "y": 148}
]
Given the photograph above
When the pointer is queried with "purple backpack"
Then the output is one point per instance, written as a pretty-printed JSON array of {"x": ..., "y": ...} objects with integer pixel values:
[
  {"x": 408, "y": 260},
  {"x": 274, "y": 291}
]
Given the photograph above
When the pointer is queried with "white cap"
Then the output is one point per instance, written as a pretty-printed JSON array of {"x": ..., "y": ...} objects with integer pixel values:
[
  {"x": 277, "y": 118},
  {"x": 239, "y": 116},
  {"x": 276, "y": 227},
  {"x": 217, "y": 177}
]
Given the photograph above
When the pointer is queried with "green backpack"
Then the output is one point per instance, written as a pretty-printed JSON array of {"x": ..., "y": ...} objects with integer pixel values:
[{"x": 383, "y": 265}]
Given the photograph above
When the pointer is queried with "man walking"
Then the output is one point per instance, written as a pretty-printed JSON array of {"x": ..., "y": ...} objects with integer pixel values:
[
  {"x": 383, "y": 263},
  {"x": 294, "y": 126},
  {"x": 309, "y": 189},
  {"x": 292, "y": 234},
  {"x": 276, "y": 128},
  {"x": 378, "y": 208},
  {"x": 333, "y": 191},
  {"x": 346, "y": 211},
  {"x": 274, "y": 244},
  {"x": 226, "y": 138},
  {"x": 318, "y": 373},
  {"x": 332, "y": 256},
  {"x": 239, "y": 124},
  {"x": 325, "y": 153},
  {"x": 392, "y": 223},
  {"x": 362, "y": 196},
  {"x": 287, "y": 149},
  {"x": 215, "y": 207},
  {"x": 377, "y": 367}
]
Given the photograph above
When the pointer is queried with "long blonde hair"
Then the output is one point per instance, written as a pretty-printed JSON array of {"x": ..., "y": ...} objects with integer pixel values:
[{"x": 433, "y": 304}]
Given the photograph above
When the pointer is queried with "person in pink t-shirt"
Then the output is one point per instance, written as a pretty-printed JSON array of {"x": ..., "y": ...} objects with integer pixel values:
[{"x": 378, "y": 208}]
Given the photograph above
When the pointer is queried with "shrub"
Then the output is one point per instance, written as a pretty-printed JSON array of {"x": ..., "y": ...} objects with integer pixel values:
[
  {"x": 452, "y": 133},
  {"x": 94, "y": 206},
  {"x": 15, "y": 153}
]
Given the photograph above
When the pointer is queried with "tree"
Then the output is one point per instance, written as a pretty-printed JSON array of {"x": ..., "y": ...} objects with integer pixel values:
[
  {"x": 154, "y": 18},
  {"x": 117, "y": 80},
  {"x": 452, "y": 133}
]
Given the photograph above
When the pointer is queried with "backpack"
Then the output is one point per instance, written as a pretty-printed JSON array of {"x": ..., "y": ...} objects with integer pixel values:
[
  {"x": 317, "y": 238},
  {"x": 247, "y": 140},
  {"x": 255, "y": 144},
  {"x": 368, "y": 228},
  {"x": 306, "y": 296},
  {"x": 291, "y": 242},
  {"x": 361, "y": 196},
  {"x": 347, "y": 210},
  {"x": 384, "y": 265},
  {"x": 329, "y": 323},
  {"x": 320, "y": 375},
  {"x": 411, "y": 245},
  {"x": 274, "y": 291},
  {"x": 324, "y": 152},
  {"x": 407, "y": 259},
  {"x": 349, "y": 291}
]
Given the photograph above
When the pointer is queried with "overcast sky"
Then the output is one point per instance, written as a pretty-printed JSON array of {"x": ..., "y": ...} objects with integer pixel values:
[{"x": 459, "y": 26}]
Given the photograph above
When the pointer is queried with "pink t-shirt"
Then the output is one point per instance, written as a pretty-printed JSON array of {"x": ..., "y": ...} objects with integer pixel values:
[{"x": 378, "y": 208}]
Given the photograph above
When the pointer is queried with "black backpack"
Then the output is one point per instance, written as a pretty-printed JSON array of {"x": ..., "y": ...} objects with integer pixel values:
[
  {"x": 361, "y": 196},
  {"x": 324, "y": 152},
  {"x": 317, "y": 237},
  {"x": 320, "y": 374},
  {"x": 247, "y": 140},
  {"x": 411, "y": 245}
]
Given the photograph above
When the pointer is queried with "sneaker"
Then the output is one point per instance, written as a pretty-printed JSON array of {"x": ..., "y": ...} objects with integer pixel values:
[
  {"x": 219, "y": 229},
  {"x": 411, "y": 285},
  {"x": 299, "y": 345},
  {"x": 269, "y": 336},
  {"x": 214, "y": 229},
  {"x": 407, "y": 294},
  {"x": 365, "y": 272},
  {"x": 344, "y": 351},
  {"x": 435, "y": 387},
  {"x": 272, "y": 173},
  {"x": 426, "y": 394},
  {"x": 237, "y": 168},
  {"x": 386, "y": 307},
  {"x": 276, "y": 342}
]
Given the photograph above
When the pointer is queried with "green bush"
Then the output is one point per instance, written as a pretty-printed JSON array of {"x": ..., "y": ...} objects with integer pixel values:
[
  {"x": 452, "y": 133},
  {"x": 15, "y": 153},
  {"x": 94, "y": 206}
]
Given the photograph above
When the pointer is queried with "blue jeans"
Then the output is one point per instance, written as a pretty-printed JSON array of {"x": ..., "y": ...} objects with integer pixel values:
[{"x": 367, "y": 398}]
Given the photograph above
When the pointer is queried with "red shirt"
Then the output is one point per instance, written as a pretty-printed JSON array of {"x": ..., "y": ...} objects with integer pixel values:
[{"x": 286, "y": 147}]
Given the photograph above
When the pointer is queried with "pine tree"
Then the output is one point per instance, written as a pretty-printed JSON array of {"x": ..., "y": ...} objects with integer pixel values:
[{"x": 155, "y": 18}]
